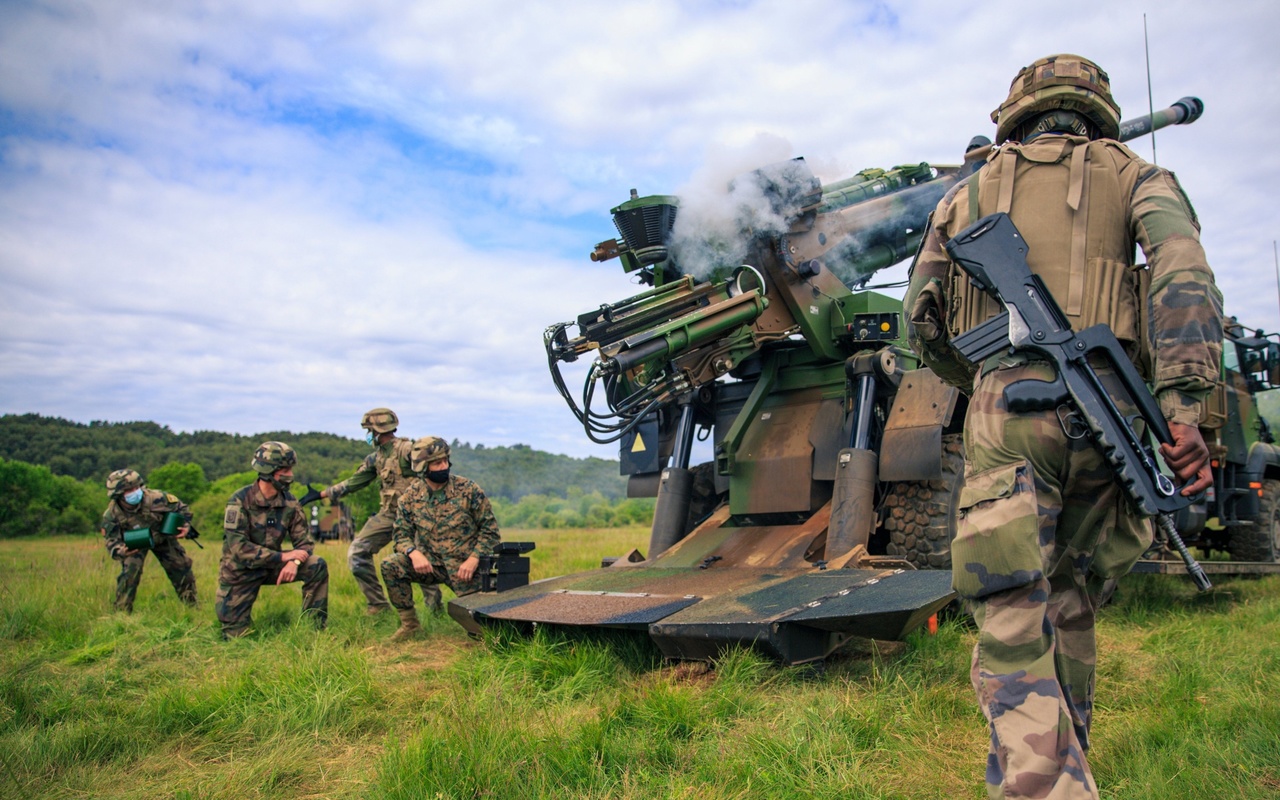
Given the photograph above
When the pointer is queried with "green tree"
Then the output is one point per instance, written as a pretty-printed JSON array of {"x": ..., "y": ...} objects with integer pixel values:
[
  {"x": 208, "y": 511},
  {"x": 34, "y": 501},
  {"x": 186, "y": 480}
]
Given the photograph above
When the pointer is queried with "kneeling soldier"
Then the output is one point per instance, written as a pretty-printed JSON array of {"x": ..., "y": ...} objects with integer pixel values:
[
  {"x": 134, "y": 507},
  {"x": 259, "y": 518},
  {"x": 443, "y": 525}
]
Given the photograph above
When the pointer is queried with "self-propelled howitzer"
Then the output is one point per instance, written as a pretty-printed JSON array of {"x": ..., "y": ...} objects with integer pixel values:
[{"x": 800, "y": 377}]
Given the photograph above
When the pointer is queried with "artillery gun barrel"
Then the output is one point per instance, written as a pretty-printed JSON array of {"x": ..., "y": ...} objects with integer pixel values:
[
  {"x": 688, "y": 331},
  {"x": 1184, "y": 112}
]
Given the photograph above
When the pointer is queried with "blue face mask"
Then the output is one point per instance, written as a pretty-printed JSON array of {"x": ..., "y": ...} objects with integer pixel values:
[
  {"x": 368, "y": 437},
  {"x": 134, "y": 497}
]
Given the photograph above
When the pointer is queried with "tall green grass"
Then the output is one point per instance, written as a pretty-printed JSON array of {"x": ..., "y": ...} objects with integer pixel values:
[{"x": 99, "y": 704}]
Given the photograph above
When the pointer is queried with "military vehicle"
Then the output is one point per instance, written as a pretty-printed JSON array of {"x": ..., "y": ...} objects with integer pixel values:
[
  {"x": 1240, "y": 515},
  {"x": 335, "y": 524},
  {"x": 822, "y": 427}
]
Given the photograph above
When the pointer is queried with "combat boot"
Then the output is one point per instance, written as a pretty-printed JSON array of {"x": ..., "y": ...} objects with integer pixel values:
[{"x": 409, "y": 626}]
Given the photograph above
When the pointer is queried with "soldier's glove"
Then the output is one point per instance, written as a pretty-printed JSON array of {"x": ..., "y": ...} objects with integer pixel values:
[
  {"x": 926, "y": 311},
  {"x": 311, "y": 496}
]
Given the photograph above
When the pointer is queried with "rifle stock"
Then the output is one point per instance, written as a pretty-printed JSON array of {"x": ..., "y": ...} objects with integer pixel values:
[{"x": 993, "y": 254}]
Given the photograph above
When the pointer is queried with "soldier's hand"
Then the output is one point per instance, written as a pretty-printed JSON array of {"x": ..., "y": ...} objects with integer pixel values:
[
  {"x": 1188, "y": 457},
  {"x": 311, "y": 496},
  {"x": 467, "y": 570},
  {"x": 183, "y": 531},
  {"x": 288, "y": 573},
  {"x": 127, "y": 553},
  {"x": 421, "y": 564}
]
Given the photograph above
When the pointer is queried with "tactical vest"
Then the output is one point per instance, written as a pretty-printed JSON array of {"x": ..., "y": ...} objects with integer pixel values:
[
  {"x": 1069, "y": 197},
  {"x": 390, "y": 471}
]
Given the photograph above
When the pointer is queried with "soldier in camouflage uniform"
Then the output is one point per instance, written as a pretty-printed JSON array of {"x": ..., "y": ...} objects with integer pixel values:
[
  {"x": 443, "y": 525},
  {"x": 1041, "y": 522},
  {"x": 258, "y": 519},
  {"x": 134, "y": 506},
  {"x": 388, "y": 463}
]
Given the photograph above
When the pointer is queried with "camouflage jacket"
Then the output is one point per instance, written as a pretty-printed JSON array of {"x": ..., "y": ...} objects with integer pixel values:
[
  {"x": 1084, "y": 208},
  {"x": 389, "y": 463},
  {"x": 255, "y": 529},
  {"x": 150, "y": 513},
  {"x": 451, "y": 524}
]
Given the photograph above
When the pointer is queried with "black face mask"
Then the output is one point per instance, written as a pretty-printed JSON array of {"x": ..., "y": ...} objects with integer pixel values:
[
  {"x": 282, "y": 483},
  {"x": 438, "y": 475}
]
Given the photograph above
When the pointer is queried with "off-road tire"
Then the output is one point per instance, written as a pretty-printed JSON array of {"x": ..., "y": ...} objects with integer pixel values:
[
  {"x": 1261, "y": 540},
  {"x": 920, "y": 516}
]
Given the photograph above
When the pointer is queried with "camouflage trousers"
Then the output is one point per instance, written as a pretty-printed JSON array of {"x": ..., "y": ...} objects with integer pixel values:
[
  {"x": 399, "y": 575},
  {"x": 1041, "y": 525},
  {"x": 373, "y": 536},
  {"x": 176, "y": 564},
  {"x": 235, "y": 600}
]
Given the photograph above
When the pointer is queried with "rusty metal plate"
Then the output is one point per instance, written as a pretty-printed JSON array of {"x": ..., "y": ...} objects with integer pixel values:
[
  {"x": 605, "y": 609},
  {"x": 806, "y": 616},
  {"x": 922, "y": 399},
  {"x": 911, "y": 454}
]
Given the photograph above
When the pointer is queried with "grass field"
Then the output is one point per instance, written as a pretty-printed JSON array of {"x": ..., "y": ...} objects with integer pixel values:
[{"x": 95, "y": 704}]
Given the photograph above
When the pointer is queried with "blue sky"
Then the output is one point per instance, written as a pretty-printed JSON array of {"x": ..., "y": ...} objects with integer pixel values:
[{"x": 253, "y": 216}]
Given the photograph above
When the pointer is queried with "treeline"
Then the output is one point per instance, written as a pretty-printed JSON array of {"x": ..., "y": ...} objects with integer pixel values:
[
  {"x": 90, "y": 452},
  {"x": 35, "y": 502}
]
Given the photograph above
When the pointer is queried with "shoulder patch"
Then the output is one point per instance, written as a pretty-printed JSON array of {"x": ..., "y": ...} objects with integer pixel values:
[
  {"x": 232, "y": 517},
  {"x": 172, "y": 498}
]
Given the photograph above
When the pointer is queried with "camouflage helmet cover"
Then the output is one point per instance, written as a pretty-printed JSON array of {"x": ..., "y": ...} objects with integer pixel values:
[
  {"x": 121, "y": 481},
  {"x": 1065, "y": 81},
  {"x": 271, "y": 456},
  {"x": 427, "y": 450},
  {"x": 380, "y": 420}
]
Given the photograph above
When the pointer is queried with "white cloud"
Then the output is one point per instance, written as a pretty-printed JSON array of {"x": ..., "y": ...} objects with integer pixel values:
[{"x": 253, "y": 216}]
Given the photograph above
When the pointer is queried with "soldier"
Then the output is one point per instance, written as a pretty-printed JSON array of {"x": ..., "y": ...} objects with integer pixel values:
[
  {"x": 134, "y": 506},
  {"x": 388, "y": 463},
  {"x": 1041, "y": 522},
  {"x": 258, "y": 519},
  {"x": 443, "y": 525}
]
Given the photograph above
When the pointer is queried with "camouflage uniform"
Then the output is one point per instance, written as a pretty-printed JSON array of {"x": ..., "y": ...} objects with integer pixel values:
[
  {"x": 150, "y": 513},
  {"x": 255, "y": 529},
  {"x": 449, "y": 525},
  {"x": 1041, "y": 521},
  {"x": 389, "y": 464}
]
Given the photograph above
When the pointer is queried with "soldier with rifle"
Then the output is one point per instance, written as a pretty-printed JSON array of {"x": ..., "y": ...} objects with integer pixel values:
[
  {"x": 388, "y": 464},
  {"x": 1043, "y": 519}
]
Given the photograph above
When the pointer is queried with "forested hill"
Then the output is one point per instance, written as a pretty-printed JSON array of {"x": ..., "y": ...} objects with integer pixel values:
[{"x": 93, "y": 450}]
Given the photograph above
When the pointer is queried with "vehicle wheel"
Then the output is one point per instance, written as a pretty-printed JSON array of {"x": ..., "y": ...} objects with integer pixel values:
[
  {"x": 920, "y": 516},
  {"x": 1261, "y": 540}
]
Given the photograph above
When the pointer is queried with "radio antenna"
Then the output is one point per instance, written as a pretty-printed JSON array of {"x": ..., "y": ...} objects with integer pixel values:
[{"x": 1151, "y": 107}]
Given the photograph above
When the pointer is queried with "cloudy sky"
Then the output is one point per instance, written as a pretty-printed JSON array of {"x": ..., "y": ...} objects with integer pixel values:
[{"x": 250, "y": 216}]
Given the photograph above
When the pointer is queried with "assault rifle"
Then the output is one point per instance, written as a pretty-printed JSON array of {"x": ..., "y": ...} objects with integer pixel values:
[{"x": 994, "y": 255}]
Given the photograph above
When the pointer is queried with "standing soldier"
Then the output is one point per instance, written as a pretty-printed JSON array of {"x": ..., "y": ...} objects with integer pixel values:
[
  {"x": 259, "y": 518},
  {"x": 443, "y": 526},
  {"x": 389, "y": 463},
  {"x": 1041, "y": 521},
  {"x": 133, "y": 506}
]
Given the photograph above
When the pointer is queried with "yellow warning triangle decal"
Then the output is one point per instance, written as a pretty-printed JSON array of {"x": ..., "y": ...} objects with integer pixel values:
[{"x": 638, "y": 445}]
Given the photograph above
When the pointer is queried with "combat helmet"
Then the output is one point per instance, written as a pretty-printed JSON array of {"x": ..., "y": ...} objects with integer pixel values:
[
  {"x": 121, "y": 481},
  {"x": 271, "y": 456},
  {"x": 427, "y": 450},
  {"x": 1063, "y": 81},
  {"x": 380, "y": 420}
]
